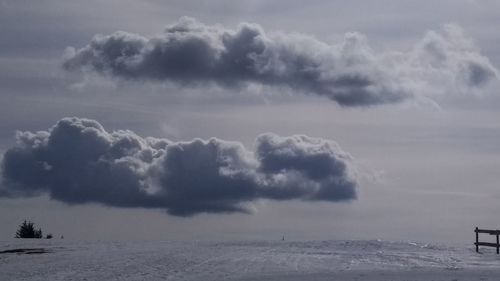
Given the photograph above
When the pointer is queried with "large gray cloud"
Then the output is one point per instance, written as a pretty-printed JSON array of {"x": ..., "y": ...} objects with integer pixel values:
[
  {"x": 78, "y": 161},
  {"x": 350, "y": 72}
]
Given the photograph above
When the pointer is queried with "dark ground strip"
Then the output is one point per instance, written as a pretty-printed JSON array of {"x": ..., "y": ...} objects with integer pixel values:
[{"x": 28, "y": 251}]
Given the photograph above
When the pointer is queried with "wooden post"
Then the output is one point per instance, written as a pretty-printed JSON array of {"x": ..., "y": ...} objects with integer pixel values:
[
  {"x": 477, "y": 239},
  {"x": 498, "y": 246}
]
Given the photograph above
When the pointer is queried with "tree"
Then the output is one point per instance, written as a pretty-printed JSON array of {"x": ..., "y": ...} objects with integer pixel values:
[{"x": 27, "y": 230}]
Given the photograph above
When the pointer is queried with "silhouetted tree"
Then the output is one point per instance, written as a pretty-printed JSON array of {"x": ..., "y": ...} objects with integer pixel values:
[
  {"x": 27, "y": 230},
  {"x": 49, "y": 236}
]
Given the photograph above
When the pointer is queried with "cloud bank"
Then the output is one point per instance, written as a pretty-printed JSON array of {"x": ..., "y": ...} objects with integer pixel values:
[
  {"x": 350, "y": 73},
  {"x": 77, "y": 161}
]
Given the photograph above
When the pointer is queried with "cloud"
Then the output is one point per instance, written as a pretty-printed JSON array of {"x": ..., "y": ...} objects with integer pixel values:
[
  {"x": 350, "y": 73},
  {"x": 77, "y": 161}
]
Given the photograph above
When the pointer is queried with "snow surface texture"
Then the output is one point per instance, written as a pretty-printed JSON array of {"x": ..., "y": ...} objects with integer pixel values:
[{"x": 252, "y": 260}]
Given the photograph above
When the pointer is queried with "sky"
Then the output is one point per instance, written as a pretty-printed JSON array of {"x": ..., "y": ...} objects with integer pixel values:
[{"x": 216, "y": 120}]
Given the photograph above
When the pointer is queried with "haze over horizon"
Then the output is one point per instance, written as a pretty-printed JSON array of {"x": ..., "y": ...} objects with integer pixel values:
[{"x": 152, "y": 120}]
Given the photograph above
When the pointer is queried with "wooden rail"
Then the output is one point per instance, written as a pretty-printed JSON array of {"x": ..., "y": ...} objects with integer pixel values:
[{"x": 487, "y": 244}]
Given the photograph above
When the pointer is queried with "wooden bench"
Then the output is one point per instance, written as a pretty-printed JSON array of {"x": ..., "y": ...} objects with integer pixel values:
[{"x": 487, "y": 244}]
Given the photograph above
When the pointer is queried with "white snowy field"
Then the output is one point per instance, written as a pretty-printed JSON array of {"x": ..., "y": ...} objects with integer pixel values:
[{"x": 251, "y": 260}]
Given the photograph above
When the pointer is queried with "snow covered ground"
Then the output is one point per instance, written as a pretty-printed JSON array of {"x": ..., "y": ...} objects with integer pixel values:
[{"x": 251, "y": 260}]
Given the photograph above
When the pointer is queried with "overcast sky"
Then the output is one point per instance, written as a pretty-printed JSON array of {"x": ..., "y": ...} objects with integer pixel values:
[{"x": 250, "y": 120}]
